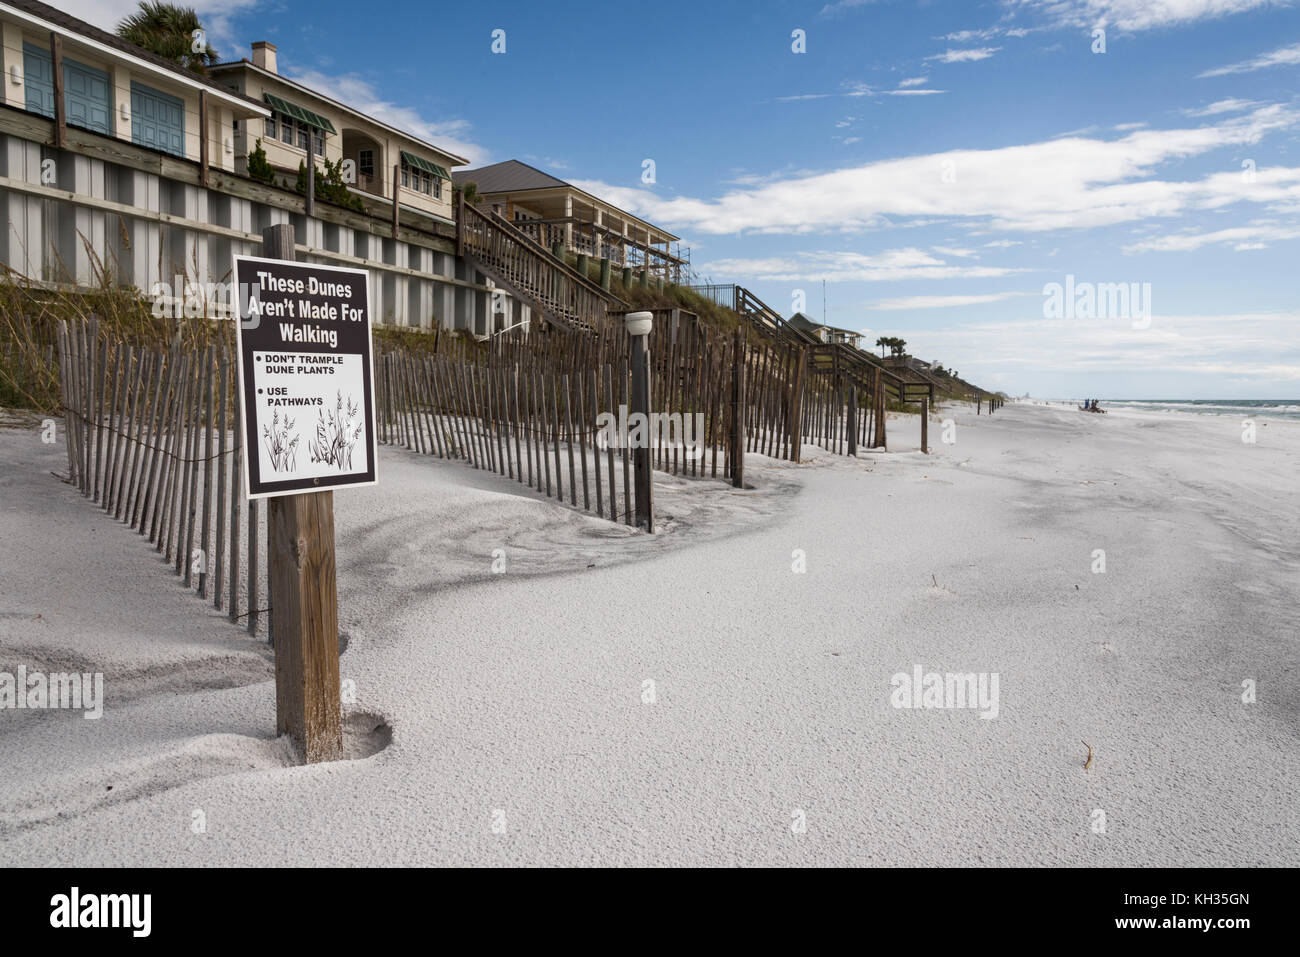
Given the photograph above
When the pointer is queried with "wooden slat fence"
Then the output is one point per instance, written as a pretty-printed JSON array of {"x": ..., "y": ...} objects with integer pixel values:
[{"x": 153, "y": 440}]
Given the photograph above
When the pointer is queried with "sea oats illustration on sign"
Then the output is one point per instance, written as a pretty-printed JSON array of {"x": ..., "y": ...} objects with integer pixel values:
[
  {"x": 283, "y": 450},
  {"x": 337, "y": 434}
]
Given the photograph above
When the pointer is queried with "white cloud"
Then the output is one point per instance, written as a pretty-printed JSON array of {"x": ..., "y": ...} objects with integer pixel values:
[
  {"x": 1263, "y": 346},
  {"x": 1003, "y": 243},
  {"x": 913, "y": 81},
  {"x": 360, "y": 94},
  {"x": 1231, "y": 105},
  {"x": 1252, "y": 236},
  {"x": 964, "y": 56},
  {"x": 940, "y": 302},
  {"x": 1135, "y": 15},
  {"x": 1285, "y": 56},
  {"x": 955, "y": 252},
  {"x": 839, "y": 266},
  {"x": 857, "y": 91},
  {"x": 1036, "y": 187}
]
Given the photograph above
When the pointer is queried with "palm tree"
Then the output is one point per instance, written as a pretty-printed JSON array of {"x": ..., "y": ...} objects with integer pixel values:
[
  {"x": 882, "y": 342},
  {"x": 170, "y": 31}
]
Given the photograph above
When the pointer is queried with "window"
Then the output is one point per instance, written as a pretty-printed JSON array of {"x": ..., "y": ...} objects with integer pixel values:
[
  {"x": 420, "y": 181},
  {"x": 366, "y": 162},
  {"x": 270, "y": 127},
  {"x": 286, "y": 130},
  {"x": 304, "y": 137},
  {"x": 318, "y": 142}
]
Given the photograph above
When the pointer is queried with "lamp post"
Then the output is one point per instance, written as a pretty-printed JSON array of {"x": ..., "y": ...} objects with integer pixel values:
[{"x": 639, "y": 325}]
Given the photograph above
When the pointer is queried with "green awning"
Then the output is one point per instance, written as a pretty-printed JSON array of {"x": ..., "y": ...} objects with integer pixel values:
[
  {"x": 299, "y": 113},
  {"x": 419, "y": 162}
]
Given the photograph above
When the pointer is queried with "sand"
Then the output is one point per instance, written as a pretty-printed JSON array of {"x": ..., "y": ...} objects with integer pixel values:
[{"x": 520, "y": 728}]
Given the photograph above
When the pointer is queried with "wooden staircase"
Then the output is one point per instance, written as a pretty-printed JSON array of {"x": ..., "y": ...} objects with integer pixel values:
[{"x": 552, "y": 288}]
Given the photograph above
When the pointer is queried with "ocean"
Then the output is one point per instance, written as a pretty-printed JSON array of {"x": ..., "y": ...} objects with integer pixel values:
[{"x": 1267, "y": 408}]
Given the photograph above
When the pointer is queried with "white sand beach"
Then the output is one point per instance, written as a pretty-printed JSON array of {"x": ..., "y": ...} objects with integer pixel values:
[{"x": 520, "y": 725}]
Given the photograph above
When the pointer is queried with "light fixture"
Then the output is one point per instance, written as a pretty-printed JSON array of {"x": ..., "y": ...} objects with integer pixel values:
[
  {"x": 639, "y": 323},
  {"x": 126, "y": 113},
  {"x": 228, "y": 144},
  {"x": 15, "y": 75}
]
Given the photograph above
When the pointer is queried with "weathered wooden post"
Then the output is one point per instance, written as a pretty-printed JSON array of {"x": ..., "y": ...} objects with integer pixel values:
[
  {"x": 881, "y": 437},
  {"x": 204, "y": 162},
  {"x": 309, "y": 207},
  {"x": 925, "y": 424},
  {"x": 304, "y": 595},
  {"x": 852, "y": 425},
  {"x": 737, "y": 455},
  {"x": 604, "y": 274},
  {"x": 796, "y": 410},
  {"x": 979, "y": 400},
  {"x": 638, "y": 331},
  {"x": 397, "y": 206},
  {"x": 60, "y": 104}
]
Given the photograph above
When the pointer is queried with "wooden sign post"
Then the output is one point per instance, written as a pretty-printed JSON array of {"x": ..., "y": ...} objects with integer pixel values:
[{"x": 306, "y": 384}]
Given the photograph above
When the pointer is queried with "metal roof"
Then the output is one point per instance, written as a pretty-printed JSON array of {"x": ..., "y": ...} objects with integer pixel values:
[{"x": 511, "y": 176}]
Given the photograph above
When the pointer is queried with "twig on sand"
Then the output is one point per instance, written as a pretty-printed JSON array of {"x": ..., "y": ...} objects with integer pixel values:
[{"x": 1087, "y": 764}]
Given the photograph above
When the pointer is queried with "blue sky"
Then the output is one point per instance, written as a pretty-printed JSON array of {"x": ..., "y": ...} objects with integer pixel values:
[{"x": 937, "y": 164}]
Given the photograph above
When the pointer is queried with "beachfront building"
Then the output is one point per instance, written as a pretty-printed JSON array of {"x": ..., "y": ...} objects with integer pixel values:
[
  {"x": 118, "y": 164},
  {"x": 825, "y": 333},
  {"x": 560, "y": 216},
  {"x": 377, "y": 159}
]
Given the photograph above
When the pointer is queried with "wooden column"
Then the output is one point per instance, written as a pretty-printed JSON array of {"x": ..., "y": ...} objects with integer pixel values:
[
  {"x": 881, "y": 437},
  {"x": 925, "y": 424},
  {"x": 203, "y": 141},
  {"x": 397, "y": 185},
  {"x": 796, "y": 412},
  {"x": 60, "y": 104},
  {"x": 309, "y": 207},
  {"x": 460, "y": 222},
  {"x": 304, "y": 601},
  {"x": 738, "y": 412},
  {"x": 852, "y": 424}
]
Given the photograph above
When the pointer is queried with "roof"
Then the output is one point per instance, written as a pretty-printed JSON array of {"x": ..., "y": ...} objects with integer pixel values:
[
  {"x": 247, "y": 64},
  {"x": 95, "y": 36},
  {"x": 802, "y": 322},
  {"x": 512, "y": 176}
]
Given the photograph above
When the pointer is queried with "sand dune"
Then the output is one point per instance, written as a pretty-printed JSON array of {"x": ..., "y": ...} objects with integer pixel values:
[{"x": 767, "y": 735}]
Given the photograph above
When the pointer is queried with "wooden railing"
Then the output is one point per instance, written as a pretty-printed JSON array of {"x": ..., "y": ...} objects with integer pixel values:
[{"x": 562, "y": 294}]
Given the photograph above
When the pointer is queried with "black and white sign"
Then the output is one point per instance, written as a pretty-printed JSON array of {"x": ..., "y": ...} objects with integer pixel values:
[{"x": 306, "y": 376}]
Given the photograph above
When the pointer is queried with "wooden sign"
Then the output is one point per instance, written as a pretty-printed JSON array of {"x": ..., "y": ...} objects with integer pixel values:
[{"x": 306, "y": 376}]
